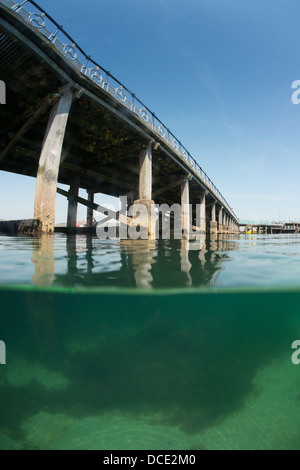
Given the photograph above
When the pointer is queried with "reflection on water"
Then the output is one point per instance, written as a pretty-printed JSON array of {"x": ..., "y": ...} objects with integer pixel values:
[
  {"x": 128, "y": 263},
  {"x": 44, "y": 261},
  {"x": 215, "y": 261},
  {"x": 142, "y": 253},
  {"x": 146, "y": 368}
]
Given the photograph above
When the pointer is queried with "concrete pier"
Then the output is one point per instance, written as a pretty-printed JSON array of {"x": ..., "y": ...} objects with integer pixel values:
[
  {"x": 185, "y": 208},
  {"x": 225, "y": 223},
  {"x": 114, "y": 144},
  {"x": 72, "y": 204},
  {"x": 47, "y": 175},
  {"x": 203, "y": 212},
  {"x": 213, "y": 226},
  {"x": 147, "y": 215},
  {"x": 145, "y": 177},
  {"x": 220, "y": 220},
  {"x": 90, "y": 212}
]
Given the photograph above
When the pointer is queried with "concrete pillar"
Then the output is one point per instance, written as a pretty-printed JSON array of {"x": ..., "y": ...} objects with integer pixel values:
[
  {"x": 213, "y": 212},
  {"x": 226, "y": 223},
  {"x": 72, "y": 205},
  {"x": 213, "y": 227},
  {"x": 145, "y": 192},
  {"x": 90, "y": 211},
  {"x": 145, "y": 181},
  {"x": 203, "y": 212},
  {"x": 185, "y": 208},
  {"x": 220, "y": 220},
  {"x": 46, "y": 180}
]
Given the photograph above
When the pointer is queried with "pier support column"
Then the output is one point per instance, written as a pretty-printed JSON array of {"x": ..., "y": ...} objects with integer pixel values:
[
  {"x": 90, "y": 211},
  {"x": 72, "y": 205},
  {"x": 213, "y": 226},
  {"x": 225, "y": 223},
  {"x": 185, "y": 208},
  {"x": 203, "y": 212},
  {"x": 220, "y": 220},
  {"x": 145, "y": 191},
  {"x": 47, "y": 174}
]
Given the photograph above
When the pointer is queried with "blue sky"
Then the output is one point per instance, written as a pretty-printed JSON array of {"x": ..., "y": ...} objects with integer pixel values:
[{"x": 218, "y": 73}]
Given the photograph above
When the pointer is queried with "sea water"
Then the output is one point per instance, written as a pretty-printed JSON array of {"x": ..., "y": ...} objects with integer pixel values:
[{"x": 150, "y": 345}]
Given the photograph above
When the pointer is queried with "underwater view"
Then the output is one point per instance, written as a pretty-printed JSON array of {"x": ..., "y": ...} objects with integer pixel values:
[{"x": 149, "y": 345}]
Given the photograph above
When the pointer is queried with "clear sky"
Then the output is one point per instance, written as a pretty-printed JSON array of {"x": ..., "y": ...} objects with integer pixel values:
[{"x": 218, "y": 73}]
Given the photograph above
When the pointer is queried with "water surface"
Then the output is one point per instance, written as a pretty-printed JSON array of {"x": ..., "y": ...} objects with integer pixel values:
[{"x": 161, "y": 345}]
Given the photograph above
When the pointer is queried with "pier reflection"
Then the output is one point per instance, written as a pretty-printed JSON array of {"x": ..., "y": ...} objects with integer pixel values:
[
  {"x": 87, "y": 261},
  {"x": 44, "y": 260},
  {"x": 140, "y": 254}
]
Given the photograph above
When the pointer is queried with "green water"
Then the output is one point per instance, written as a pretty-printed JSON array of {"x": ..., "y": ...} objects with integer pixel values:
[{"x": 149, "y": 345}]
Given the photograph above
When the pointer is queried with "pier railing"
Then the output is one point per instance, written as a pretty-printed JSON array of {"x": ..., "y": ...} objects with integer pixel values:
[{"x": 31, "y": 12}]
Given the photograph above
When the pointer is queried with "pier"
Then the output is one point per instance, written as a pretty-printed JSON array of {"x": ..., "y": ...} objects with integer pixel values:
[
  {"x": 68, "y": 121},
  {"x": 281, "y": 227}
]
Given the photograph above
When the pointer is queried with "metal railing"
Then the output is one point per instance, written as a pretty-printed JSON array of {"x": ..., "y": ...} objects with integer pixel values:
[{"x": 102, "y": 78}]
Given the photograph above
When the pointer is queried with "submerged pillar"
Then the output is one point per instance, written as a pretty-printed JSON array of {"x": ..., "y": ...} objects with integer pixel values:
[
  {"x": 47, "y": 174},
  {"x": 213, "y": 226},
  {"x": 147, "y": 214},
  {"x": 72, "y": 205},
  {"x": 185, "y": 208},
  {"x": 90, "y": 211}
]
